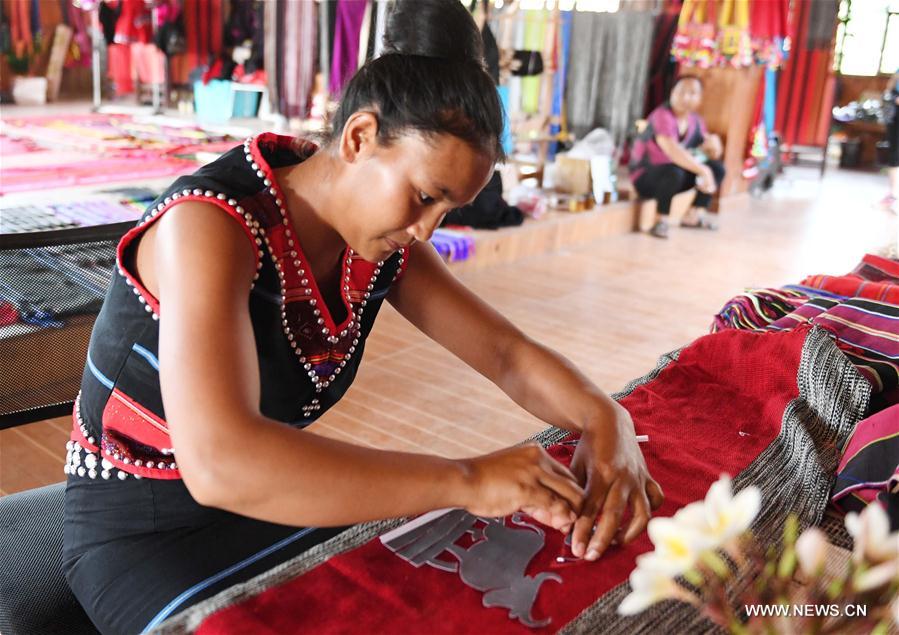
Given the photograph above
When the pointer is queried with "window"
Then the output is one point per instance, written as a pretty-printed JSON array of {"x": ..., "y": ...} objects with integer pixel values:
[{"x": 867, "y": 37}]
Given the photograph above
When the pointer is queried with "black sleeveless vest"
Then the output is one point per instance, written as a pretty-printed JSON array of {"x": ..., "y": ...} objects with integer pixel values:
[{"x": 306, "y": 361}]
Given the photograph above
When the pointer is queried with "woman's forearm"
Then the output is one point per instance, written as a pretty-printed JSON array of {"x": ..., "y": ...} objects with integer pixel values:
[
  {"x": 679, "y": 155},
  {"x": 284, "y": 475}
]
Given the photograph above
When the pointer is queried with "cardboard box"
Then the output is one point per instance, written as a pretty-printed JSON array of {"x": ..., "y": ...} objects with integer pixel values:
[{"x": 572, "y": 176}]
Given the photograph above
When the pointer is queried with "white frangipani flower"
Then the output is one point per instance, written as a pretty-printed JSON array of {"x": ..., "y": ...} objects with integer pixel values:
[
  {"x": 682, "y": 539},
  {"x": 811, "y": 551},
  {"x": 729, "y": 515},
  {"x": 870, "y": 531},
  {"x": 676, "y": 547},
  {"x": 648, "y": 587},
  {"x": 876, "y": 576}
]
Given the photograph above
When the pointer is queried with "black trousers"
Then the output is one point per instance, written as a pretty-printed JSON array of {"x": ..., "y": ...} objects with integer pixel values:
[
  {"x": 663, "y": 182},
  {"x": 139, "y": 551},
  {"x": 893, "y": 142}
]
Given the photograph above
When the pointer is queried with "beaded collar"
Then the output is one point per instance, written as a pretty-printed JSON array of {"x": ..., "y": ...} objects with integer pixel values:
[{"x": 322, "y": 346}]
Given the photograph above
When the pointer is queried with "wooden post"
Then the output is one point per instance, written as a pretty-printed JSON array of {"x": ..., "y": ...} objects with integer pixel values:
[
  {"x": 61, "y": 40},
  {"x": 728, "y": 98}
]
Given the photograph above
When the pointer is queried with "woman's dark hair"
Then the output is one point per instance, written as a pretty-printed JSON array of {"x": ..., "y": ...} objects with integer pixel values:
[
  {"x": 431, "y": 79},
  {"x": 683, "y": 78}
]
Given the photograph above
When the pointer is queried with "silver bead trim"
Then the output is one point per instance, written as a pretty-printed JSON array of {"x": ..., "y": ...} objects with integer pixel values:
[
  {"x": 216, "y": 199},
  {"x": 83, "y": 462},
  {"x": 355, "y": 318}
]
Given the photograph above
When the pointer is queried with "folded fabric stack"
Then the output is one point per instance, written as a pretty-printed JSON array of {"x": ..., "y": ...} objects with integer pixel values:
[
  {"x": 860, "y": 310},
  {"x": 453, "y": 245},
  {"x": 115, "y": 206},
  {"x": 868, "y": 470},
  {"x": 102, "y": 148}
]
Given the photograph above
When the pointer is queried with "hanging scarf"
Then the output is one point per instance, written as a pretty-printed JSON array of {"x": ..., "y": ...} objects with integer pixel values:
[
  {"x": 344, "y": 60},
  {"x": 298, "y": 58}
]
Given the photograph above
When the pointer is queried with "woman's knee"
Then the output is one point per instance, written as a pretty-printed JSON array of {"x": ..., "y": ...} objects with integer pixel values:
[{"x": 717, "y": 168}]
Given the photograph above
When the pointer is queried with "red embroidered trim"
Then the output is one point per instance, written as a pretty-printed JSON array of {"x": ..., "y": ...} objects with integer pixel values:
[
  {"x": 157, "y": 213},
  {"x": 127, "y": 425}
]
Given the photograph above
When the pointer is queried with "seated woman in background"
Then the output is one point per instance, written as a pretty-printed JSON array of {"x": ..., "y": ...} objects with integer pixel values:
[{"x": 675, "y": 153}]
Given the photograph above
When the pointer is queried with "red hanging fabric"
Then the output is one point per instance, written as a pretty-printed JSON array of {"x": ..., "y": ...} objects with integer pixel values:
[
  {"x": 808, "y": 121},
  {"x": 20, "y": 25},
  {"x": 806, "y": 86},
  {"x": 795, "y": 89}
]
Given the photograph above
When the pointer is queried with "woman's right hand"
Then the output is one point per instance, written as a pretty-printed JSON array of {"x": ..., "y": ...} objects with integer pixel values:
[
  {"x": 706, "y": 180},
  {"x": 524, "y": 478}
]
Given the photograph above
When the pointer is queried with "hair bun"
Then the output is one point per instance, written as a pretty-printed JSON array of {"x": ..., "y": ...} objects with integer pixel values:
[{"x": 433, "y": 28}]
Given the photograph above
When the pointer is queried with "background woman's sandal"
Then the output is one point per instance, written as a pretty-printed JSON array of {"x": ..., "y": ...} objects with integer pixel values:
[
  {"x": 703, "y": 222},
  {"x": 660, "y": 229}
]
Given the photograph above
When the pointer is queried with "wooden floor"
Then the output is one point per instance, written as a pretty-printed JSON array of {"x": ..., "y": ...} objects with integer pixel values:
[{"x": 612, "y": 306}]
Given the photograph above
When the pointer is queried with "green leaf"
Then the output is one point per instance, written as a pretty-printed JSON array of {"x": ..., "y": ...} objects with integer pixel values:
[
  {"x": 791, "y": 530},
  {"x": 787, "y": 564}
]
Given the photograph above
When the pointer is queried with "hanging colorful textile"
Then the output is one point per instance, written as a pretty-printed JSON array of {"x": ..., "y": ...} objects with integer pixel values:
[
  {"x": 345, "y": 56},
  {"x": 608, "y": 71},
  {"x": 557, "y": 116},
  {"x": 271, "y": 30},
  {"x": 718, "y": 405},
  {"x": 534, "y": 28},
  {"x": 734, "y": 48},
  {"x": 694, "y": 42},
  {"x": 203, "y": 29},
  {"x": 119, "y": 68},
  {"x": 662, "y": 67},
  {"x": 20, "y": 28},
  {"x": 134, "y": 23},
  {"x": 806, "y": 88},
  {"x": 80, "y": 49},
  {"x": 768, "y": 30},
  {"x": 736, "y": 33},
  {"x": 297, "y": 57}
]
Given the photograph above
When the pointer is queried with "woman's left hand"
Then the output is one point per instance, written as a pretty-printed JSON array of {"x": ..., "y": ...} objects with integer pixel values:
[
  {"x": 609, "y": 465},
  {"x": 713, "y": 147}
]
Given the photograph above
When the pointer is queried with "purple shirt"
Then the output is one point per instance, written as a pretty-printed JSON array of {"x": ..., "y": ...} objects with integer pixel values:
[{"x": 662, "y": 121}]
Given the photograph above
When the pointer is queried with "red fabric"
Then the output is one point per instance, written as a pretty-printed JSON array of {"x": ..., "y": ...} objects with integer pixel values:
[
  {"x": 203, "y": 31},
  {"x": 793, "y": 83},
  {"x": 119, "y": 68},
  {"x": 134, "y": 23},
  {"x": 20, "y": 27},
  {"x": 828, "y": 95},
  {"x": 8, "y": 314},
  {"x": 852, "y": 286},
  {"x": 806, "y": 86},
  {"x": 124, "y": 417},
  {"x": 812, "y": 95},
  {"x": 714, "y": 410},
  {"x": 149, "y": 63},
  {"x": 888, "y": 268}
]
